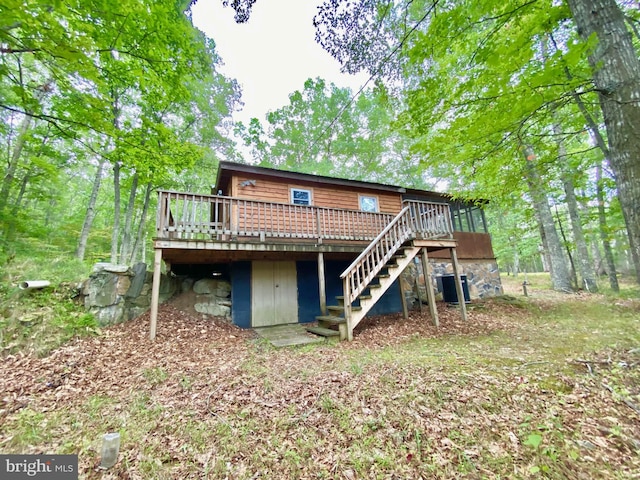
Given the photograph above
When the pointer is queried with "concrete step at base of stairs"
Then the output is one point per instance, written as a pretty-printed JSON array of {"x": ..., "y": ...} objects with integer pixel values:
[{"x": 323, "y": 332}]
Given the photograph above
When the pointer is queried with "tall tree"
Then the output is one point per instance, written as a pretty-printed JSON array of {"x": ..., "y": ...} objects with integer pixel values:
[
  {"x": 560, "y": 277},
  {"x": 616, "y": 76},
  {"x": 144, "y": 86},
  {"x": 476, "y": 76},
  {"x": 325, "y": 130}
]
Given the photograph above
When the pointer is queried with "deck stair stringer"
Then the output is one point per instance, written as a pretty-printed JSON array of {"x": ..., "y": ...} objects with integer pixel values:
[
  {"x": 378, "y": 288},
  {"x": 376, "y": 268},
  {"x": 371, "y": 274},
  {"x": 365, "y": 301}
]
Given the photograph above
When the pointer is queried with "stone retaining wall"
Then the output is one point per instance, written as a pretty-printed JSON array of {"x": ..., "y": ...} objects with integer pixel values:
[
  {"x": 483, "y": 278},
  {"x": 117, "y": 293}
]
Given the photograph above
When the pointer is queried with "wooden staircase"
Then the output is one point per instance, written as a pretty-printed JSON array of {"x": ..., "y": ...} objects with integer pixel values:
[{"x": 369, "y": 277}]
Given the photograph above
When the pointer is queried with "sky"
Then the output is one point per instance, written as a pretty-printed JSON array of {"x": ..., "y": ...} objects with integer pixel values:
[{"x": 272, "y": 54}]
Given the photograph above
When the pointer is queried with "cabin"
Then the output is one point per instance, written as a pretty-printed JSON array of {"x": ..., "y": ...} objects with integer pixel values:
[{"x": 322, "y": 251}]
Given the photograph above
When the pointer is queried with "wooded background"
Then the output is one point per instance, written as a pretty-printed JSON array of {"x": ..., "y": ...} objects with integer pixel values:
[{"x": 532, "y": 105}]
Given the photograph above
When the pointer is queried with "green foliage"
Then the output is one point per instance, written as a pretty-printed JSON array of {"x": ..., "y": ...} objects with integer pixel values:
[
  {"x": 42, "y": 320},
  {"x": 324, "y": 131},
  {"x": 132, "y": 83},
  {"x": 478, "y": 81}
]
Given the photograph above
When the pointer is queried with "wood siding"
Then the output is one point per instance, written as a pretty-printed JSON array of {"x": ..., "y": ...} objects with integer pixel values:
[
  {"x": 471, "y": 246},
  {"x": 270, "y": 190}
]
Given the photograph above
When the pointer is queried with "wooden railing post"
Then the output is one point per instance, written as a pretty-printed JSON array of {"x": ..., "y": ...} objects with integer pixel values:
[
  {"x": 348, "y": 334},
  {"x": 319, "y": 225},
  {"x": 155, "y": 293}
]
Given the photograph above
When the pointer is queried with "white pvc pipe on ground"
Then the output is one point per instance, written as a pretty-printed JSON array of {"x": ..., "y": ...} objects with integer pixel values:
[{"x": 29, "y": 284}]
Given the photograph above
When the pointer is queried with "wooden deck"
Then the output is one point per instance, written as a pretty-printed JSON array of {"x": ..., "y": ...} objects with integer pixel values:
[
  {"x": 235, "y": 227},
  {"x": 192, "y": 229}
]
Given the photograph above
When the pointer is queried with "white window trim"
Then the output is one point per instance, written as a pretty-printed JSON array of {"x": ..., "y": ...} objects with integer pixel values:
[
  {"x": 296, "y": 189},
  {"x": 374, "y": 197}
]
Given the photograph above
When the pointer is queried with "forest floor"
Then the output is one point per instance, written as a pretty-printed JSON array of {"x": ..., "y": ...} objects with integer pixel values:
[{"x": 545, "y": 386}]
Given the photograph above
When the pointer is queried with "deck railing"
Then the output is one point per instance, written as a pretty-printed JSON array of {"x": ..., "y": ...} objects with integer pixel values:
[
  {"x": 429, "y": 220},
  {"x": 359, "y": 274},
  {"x": 187, "y": 216}
]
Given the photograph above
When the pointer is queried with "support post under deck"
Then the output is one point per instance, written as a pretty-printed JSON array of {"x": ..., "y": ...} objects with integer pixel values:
[
  {"x": 322, "y": 285},
  {"x": 458, "y": 281},
  {"x": 431, "y": 298},
  {"x": 155, "y": 293},
  {"x": 403, "y": 299}
]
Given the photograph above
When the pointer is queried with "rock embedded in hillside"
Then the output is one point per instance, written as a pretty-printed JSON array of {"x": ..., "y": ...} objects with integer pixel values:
[{"x": 219, "y": 288}]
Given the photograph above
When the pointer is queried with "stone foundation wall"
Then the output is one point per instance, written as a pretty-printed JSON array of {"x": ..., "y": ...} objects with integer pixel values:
[
  {"x": 117, "y": 293},
  {"x": 213, "y": 297},
  {"x": 483, "y": 278}
]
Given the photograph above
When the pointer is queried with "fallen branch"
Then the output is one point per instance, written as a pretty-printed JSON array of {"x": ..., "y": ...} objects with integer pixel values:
[
  {"x": 597, "y": 362},
  {"x": 533, "y": 363},
  {"x": 617, "y": 396}
]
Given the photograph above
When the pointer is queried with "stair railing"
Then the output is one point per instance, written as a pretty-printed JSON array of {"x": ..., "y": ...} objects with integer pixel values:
[{"x": 370, "y": 262}]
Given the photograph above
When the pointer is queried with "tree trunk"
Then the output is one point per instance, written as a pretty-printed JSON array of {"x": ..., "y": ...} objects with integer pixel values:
[
  {"x": 543, "y": 248},
  {"x": 598, "y": 263},
  {"x": 10, "y": 229},
  {"x": 572, "y": 270},
  {"x": 584, "y": 265},
  {"x": 560, "y": 279},
  {"x": 126, "y": 247},
  {"x": 139, "y": 243},
  {"x": 10, "y": 172},
  {"x": 115, "y": 234},
  {"x": 23, "y": 130},
  {"x": 91, "y": 211},
  {"x": 23, "y": 189},
  {"x": 600, "y": 195},
  {"x": 616, "y": 75},
  {"x": 604, "y": 236}
]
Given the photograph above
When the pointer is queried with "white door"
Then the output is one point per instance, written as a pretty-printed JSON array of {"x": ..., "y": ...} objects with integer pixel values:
[{"x": 274, "y": 293}]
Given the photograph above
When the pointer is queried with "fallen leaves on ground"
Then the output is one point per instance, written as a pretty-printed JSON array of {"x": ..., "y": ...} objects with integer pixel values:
[{"x": 405, "y": 399}]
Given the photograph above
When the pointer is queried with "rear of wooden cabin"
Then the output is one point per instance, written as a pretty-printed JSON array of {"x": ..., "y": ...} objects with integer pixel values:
[{"x": 285, "y": 240}]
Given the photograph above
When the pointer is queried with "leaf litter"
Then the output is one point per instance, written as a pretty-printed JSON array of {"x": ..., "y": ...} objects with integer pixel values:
[{"x": 405, "y": 399}]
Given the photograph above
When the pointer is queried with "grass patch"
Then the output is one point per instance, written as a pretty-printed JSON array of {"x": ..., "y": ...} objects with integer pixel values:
[
  {"x": 41, "y": 320},
  {"x": 550, "y": 395}
]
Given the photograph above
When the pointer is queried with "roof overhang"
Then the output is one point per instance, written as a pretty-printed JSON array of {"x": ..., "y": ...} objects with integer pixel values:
[{"x": 227, "y": 169}]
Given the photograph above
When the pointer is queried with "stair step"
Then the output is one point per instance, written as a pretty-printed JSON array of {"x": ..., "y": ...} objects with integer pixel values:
[
  {"x": 330, "y": 319},
  {"x": 323, "y": 332},
  {"x": 340, "y": 310},
  {"x": 360, "y": 297},
  {"x": 383, "y": 275}
]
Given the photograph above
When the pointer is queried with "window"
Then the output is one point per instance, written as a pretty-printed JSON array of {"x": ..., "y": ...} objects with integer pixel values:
[
  {"x": 300, "y": 196},
  {"x": 467, "y": 218},
  {"x": 368, "y": 204}
]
